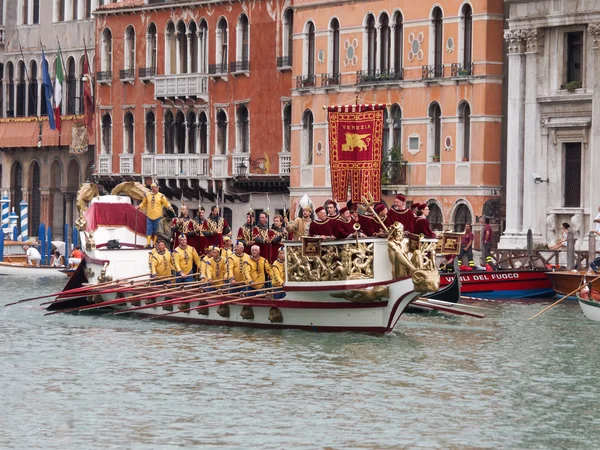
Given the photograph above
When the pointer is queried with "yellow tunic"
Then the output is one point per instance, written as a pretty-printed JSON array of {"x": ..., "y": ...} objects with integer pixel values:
[
  {"x": 183, "y": 259},
  {"x": 259, "y": 268},
  {"x": 160, "y": 263},
  {"x": 203, "y": 268},
  {"x": 278, "y": 273},
  {"x": 238, "y": 269},
  {"x": 225, "y": 254},
  {"x": 216, "y": 270},
  {"x": 154, "y": 204}
]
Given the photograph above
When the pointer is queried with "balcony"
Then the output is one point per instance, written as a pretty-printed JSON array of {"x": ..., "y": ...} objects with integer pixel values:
[
  {"x": 285, "y": 163},
  {"x": 146, "y": 73},
  {"x": 379, "y": 76},
  {"x": 432, "y": 72},
  {"x": 461, "y": 70},
  {"x": 127, "y": 75},
  {"x": 104, "y": 77},
  {"x": 2, "y": 33},
  {"x": 240, "y": 164},
  {"x": 284, "y": 62},
  {"x": 181, "y": 165},
  {"x": 148, "y": 164},
  {"x": 104, "y": 164},
  {"x": 220, "y": 167},
  {"x": 305, "y": 81},
  {"x": 183, "y": 85},
  {"x": 330, "y": 79},
  {"x": 393, "y": 173},
  {"x": 217, "y": 69},
  {"x": 126, "y": 163},
  {"x": 242, "y": 66}
]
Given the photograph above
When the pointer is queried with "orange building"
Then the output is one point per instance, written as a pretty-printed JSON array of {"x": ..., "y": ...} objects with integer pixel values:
[
  {"x": 191, "y": 95},
  {"x": 438, "y": 65}
]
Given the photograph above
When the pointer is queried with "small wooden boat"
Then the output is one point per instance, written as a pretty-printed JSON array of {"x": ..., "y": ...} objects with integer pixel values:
[
  {"x": 24, "y": 270},
  {"x": 589, "y": 303},
  {"x": 565, "y": 282}
]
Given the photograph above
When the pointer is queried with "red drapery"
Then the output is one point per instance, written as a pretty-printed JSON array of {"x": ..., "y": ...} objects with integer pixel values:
[
  {"x": 355, "y": 148},
  {"x": 115, "y": 214}
]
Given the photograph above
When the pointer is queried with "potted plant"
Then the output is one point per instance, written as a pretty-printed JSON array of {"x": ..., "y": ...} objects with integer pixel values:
[
  {"x": 465, "y": 158},
  {"x": 464, "y": 72},
  {"x": 571, "y": 86},
  {"x": 435, "y": 158}
]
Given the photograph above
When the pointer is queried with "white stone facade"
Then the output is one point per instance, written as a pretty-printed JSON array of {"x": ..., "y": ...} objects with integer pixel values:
[{"x": 553, "y": 128}]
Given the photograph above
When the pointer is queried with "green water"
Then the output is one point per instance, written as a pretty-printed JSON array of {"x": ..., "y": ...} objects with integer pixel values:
[{"x": 87, "y": 382}]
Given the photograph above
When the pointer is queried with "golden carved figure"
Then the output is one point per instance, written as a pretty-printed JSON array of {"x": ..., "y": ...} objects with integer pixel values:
[
  {"x": 85, "y": 194},
  {"x": 375, "y": 294},
  {"x": 133, "y": 189}
]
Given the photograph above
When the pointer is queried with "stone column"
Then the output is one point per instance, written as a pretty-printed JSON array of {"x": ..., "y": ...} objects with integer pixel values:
[
  {"x": 168, "y": 40},
  {"x": 39, "y": 96},
  {"x": 594, "y": 157},
  {"x": 189, "y": 35},
  {"x": 515, "y": 138},
  {"x": 186, "y": 124},
  {"x": 80, "y": 9},
  {"x": 68, "y": 11},
  {"x": 201, "y": 66},
  {"x": 148, "y": 50},
  {"x": 68, "y": 196},
  {"x": 178, "y": 61},
  {"x": 29, "y": 18},
  {"x": 392, "y": 61},
  {"x": 378, "y": 49}
]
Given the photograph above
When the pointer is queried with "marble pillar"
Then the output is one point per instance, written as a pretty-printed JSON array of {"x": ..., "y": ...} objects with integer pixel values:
[{"x": 594, "y": 141}]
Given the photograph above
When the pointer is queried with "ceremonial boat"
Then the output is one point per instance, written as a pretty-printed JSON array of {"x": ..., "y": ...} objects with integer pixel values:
[
  {"x": 25, "y": 270},
  {"x": 589, "y": 303}
]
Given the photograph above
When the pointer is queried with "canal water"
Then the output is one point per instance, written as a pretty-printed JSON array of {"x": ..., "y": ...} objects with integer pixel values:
[{"x": 87, "y": 382}]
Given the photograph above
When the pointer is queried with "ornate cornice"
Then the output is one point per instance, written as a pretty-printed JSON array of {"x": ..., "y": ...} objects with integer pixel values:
[
  {"x": 515, "y": 41},
  {"x": 594, "y": 30},
  {"x": 524, "y": 41}
]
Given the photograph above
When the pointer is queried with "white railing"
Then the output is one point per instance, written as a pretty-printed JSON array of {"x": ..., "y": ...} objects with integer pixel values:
[
  {"x": 126, "y": 161},
  {"x": 219, "y": 166},
  {"x": 240, "y": 163},
  {"x": 285, "y": 162},
  {"x": 104, "y": 164},
  {"x": 181, "y": 85},
  {"x": 148, "y": 165},
  {"x": 175, "y": 166},
  {"x": 2, "y": 32}
]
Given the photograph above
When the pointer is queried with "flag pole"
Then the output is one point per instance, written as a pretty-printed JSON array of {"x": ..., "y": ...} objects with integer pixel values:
[{"x": 30, "y": 87}]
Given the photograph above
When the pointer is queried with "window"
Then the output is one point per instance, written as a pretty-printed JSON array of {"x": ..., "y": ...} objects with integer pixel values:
[
  {"x": 21, "y": 89},
  {"x": 386, "y": 135},
  {"x": 32, "y": 104},
  {"x": 59, "y": 10},
  {"x": 130, "y": 52},
  {"x": 574, "y": 57},
  {"x": 222, "y": 38},
  {"x": 243, "y": 130},
  {"x": 287, "y": 127},
  {"x": 203, "y": 125},
  {"x": 435, "y": 131},
  {"x": 180, "y": 132},
  {"x": 106, "y": 134},
  {"x": 438, "y": 42},
  {"x": 150, "y": 132},
  {"x": 307, "y": 136},
  {"x": 81, "y": 102},
  {"x": 2, "y": 93},
  {"x": 462, "y": 217},
  {"x": 572, "y": 178},
  {"x": 106, "y": 52},
  {"x": 221, "y": 132},
  {"x": 170, "y": 49},
  {"x": 287, "y": 44},
  {"x": 36, "y": 11},
  {"x": 242, "y": 44},
  {"x": 75, "y": 9},
  {"x": 310, "y": 50},
  {"x": 384, "y": 51},
  {"x": 1, "y": 12},
  {"x": 371, "y": 34},
  {"x": 128, "y": 133},
  {"x": 192, "y": 127},
  {"x": 334, "y": 47},
  {"x": 24, "y": 12},
  {"x": 464, "y": 130},
  {"x": 203, "y": 47},
  {"x": 467, "y": 36},
  {"x": 193, "y": 47},
  {"x": 396, "y": 126},
  {"x": 398, "y": 43},
  {"x": 71, "y": 96},
  {"x": 151, "y": 48},
  {"x": 436, "y": 218},
  {"x": 10, "y": 86},
  {"x": 182, "y": 48},
  {"x": 169, "y": 133}
]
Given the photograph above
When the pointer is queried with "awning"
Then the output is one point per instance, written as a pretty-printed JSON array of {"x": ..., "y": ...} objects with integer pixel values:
[
  {"x": 19, "y": 134},
  {"x": 24, "y": 132}
]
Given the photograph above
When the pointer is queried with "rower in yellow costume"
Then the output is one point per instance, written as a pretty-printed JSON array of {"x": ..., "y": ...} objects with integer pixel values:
[
  {"x": 216, "y": 267},
  {"x": 184, "y": 258},
  {"x": 153, "y": 202},
  {"x": 237, "y": 266},
  {"x": 160, "y": 261},
  {"x": 278, "y": 268},
  {"x": 259, "y": 268}
]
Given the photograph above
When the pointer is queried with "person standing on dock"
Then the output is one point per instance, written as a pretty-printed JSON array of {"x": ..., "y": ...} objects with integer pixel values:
[
  {"x": 184, "y": 258},
  {"x": 160, "y": 262},
  {"x": 153, "y": 202}
]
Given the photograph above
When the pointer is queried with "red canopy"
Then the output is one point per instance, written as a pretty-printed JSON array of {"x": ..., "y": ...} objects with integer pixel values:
[{"x": 115, "y": 214}]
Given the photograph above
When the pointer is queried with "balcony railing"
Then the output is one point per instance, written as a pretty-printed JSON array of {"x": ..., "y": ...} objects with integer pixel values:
[
  {"x": 240, "y": 164},
  {"x": 379, "y": 76},
  {"x": 393, "y": 173},
  {"x": 430, "y": 72},
  {"x": 126, "y": 162},
  {"x": 239, "y": 66},
  {"x": 284, "y": 62},
  {"x": 181, "y": 165},
  {"x": 217, "y": 69},
  {"x": 127, "y": 74},
  {"x": 146, "y": 72},
  {"x": 461, "y": 70},
  {"x": 285, "y": 163},
  {"x": 104, "y": 164},
  {"x": 220, "y": 167},
  {"x": 2, "y": 33},
  {"x": 148, "y": 164},
  {"x": 104, "y": 77},
  {"x": 330, "y": 79},
  {"x": 181, "y": 85},
  {"x": 305, "y": 81}
]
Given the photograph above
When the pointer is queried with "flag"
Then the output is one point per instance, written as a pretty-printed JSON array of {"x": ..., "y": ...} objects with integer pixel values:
[
  {"x": 88, "y": 94},
  {"x": 48, "y": 91},
  {"x": 58, "y": 82}
]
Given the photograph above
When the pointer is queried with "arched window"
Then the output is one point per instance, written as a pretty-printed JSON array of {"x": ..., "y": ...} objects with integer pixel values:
[
  {"x": 467, "y": 37},
  {"x": 75, "y": 9},
  {"x": 438, "y": 42},
  {"x": 221, "y": 133},
  {"x": 128, "y": 133},
  {"x": 87, "y": 9},
  {"x": 396, "y": 126},
  {"x": 170, "y": 50},
  {"x": 71, "y": 86},
  {"x": 222, "y": 40},
  {"x": 398, "y": 43},
  {"x": 307, "y": 136},
  {"x": 309, "y": 53},
  {"x": 24, "y": 12},
  {"x": 36, "y": 11},
  {"x": 384, "y": 43},
  {"x": 169, "y": 131},
  {"x": 203, "y": 47},
  {"x": 33, "y": 93},
  {"x": 287, "y": 127},
  {"x": 129, "y": 52},
  {"x": 193, "y": 50},
  {"x": 59, "y": 10},
  {"x": 243, "y": 129},
  {"x": 371, "y": 41},
  {"x": 182, "y": 47},
  {"x": 436, "y": 218},
  {"x": 288, "y": 32},
  {"x": 106, "y": 134},
  {"x": 462, "y": 217},
  {"x": 464, "y": 130},
  {"x": 10, "y": 86},
  {"x": 386, "y": 135},
  {"x": 150, "y": 132},
  {"x": 35, "y": 201},
  {"x": 151, "y": 49},
  {"x": 334, "y": 49},
  {"x": 203, "y": 125},
  {"x": 21, "y": 89},
  {"x": 242, "y": 44},
  {"x": 80, "y": 107},
  {"x": 192, "y": 127},
  {"x": 435, "y": 131},
  {"x": 106, "y": 54},
  {"x": 180, "y": 133}
]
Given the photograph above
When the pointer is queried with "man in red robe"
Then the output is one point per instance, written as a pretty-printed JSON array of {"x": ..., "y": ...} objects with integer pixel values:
[
  {"x": 217, "y": 227},
  {"x": 343, "y": 226},
  {"x": 260, "y": 235},
  {"x": 244, "y": 234},
  {"x": 200, "y": 229},
  {"x": 399, "y": 213},
  {"x": 321, "y": 227},
  {"x": 331, "y": 207}
]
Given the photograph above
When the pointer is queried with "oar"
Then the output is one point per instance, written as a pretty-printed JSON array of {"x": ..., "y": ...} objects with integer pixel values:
[
  {"x": 449, "y": 310},
  {"x": 225, "y": 302},
  {"x": 480, "y": 299},
  {"x": 562, "y": 299},
  {"x": 80, "y": 289},
  {"x": 441, "y": 302}
]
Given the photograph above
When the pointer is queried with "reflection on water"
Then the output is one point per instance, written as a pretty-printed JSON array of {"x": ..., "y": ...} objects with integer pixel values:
[{"x": 437, "y": 382}]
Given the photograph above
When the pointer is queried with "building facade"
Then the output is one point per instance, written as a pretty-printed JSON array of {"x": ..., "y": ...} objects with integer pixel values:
[
  {"x": 192, "y": 94},
  {"x": 553, "y": 125},
  {"x": 438, "y": 66},
  {"x": 35, "y": 162}
]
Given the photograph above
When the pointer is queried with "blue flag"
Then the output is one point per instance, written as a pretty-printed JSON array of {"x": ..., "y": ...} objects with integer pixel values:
[{"x": 48, "y": 91}]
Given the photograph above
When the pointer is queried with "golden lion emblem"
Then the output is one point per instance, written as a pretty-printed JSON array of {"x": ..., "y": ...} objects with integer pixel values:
[{"x": 355, "y": 140}]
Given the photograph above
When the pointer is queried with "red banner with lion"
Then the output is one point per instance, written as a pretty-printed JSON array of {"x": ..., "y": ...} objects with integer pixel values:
[{"x": 355, "y": 147}]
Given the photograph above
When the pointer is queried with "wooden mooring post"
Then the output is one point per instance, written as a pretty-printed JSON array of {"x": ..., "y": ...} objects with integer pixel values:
[
  {"x": 570, "y": 250},
  {"x": 591, "y": 248}
]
